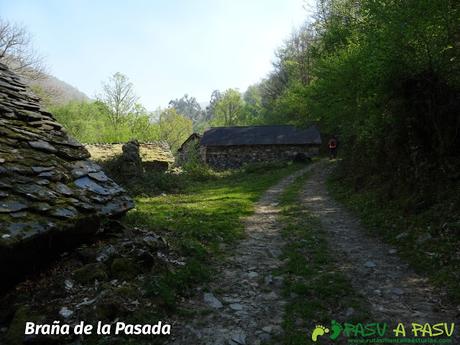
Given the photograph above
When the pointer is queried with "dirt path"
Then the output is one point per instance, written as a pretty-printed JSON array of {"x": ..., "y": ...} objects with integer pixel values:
[
  {"x": 244, "y": 305},
  {"x": 394, "y": 291}
]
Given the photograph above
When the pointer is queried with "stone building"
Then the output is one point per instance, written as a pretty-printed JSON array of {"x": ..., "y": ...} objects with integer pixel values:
[
  {"x": 231, "y": 147},
  {"x": 188, "y": 148},
  {"x": 51, "y": 196}
]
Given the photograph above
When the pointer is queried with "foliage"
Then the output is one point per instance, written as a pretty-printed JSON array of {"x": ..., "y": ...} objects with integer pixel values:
[
  {"x": 119, "y": 98},
  {"x": 229, "y": 109},
  {"x": 174, "y": 128},
  {"x": 89, "y": 122},
  {"x": 96, "y": 122},
  {"x": 427, "y": 238},
  {"x": 189, "y": 107}
]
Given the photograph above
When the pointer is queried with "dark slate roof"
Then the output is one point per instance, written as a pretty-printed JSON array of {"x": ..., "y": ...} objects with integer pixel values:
[
  {"x": 192, "y": 136},
  {"x": 47, "y": 183},
  {"x": 261, "y": 135}
]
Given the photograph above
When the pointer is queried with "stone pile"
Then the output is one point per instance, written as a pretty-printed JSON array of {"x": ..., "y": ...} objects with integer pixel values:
[{"x": 51, "y": 195}]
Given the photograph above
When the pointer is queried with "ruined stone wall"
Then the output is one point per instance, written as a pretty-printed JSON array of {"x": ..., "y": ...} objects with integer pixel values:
[
  {"x": 154, "y": 151},
  {"x": 228, "y": 157}
]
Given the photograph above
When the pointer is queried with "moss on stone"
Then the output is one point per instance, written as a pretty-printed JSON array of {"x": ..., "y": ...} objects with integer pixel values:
[
  {"x": 124, "y": 268},
  {"x": 90, "y": 272},
  {"x": 15, "y": 334}
]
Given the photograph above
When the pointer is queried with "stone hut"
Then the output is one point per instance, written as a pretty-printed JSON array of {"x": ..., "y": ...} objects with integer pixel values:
[
  {"x": 51, "y": 196},
  {"x": 188, "y": 148},
  {"x": 231, "y": 147}
]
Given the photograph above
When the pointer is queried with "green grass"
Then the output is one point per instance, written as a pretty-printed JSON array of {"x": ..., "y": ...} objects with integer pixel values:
[
  {"x": 428, "y": 238},
  {"x": 197, "y": 222},
  {"x": 317, "y": 293}
]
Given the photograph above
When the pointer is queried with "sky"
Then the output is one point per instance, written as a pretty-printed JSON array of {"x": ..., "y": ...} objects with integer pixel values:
[{"x": 167, "y": 48}]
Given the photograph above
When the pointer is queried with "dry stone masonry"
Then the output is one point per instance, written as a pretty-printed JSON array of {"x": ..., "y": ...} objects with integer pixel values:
[
  {"x": 232, "y": 147},
  {"x": 51, "y": 195}
]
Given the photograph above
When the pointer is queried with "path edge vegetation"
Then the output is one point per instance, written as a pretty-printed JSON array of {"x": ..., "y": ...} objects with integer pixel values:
[{"x": 421, "y": 238}]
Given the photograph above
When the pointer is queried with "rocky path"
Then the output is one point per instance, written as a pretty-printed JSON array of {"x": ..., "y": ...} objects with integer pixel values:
[
  {"x": 394, "y": 291},
  {"x": 244, "y": 304}
]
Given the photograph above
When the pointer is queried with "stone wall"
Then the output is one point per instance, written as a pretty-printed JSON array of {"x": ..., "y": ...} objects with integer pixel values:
[
  {"x": 228, "y": 157},
  {"x": 153, "y": 151}
]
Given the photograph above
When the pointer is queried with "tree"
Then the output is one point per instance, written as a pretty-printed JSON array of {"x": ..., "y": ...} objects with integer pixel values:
[
  {"x": 252, "y": 104},
  {"x": 229, "y": 109},
  {"x": 119, "y": 97},
  {"x": 216, "y": 96},
  {"x": 188, "y": 107},
  {"x": 17, "y": 52},
  {"x": 174, "y": 128}
]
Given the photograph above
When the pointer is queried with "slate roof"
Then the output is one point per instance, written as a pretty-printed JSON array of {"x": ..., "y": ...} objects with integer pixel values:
[
  {"x": 192, "y": 136},
  {"x": 261, "y": 135},
  {"x": 47, "y": 183}
]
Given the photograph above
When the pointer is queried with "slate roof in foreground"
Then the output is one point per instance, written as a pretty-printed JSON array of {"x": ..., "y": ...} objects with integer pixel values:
[
  {"x": 47, "y": 183},
  {"x": 261, "y": 135}
]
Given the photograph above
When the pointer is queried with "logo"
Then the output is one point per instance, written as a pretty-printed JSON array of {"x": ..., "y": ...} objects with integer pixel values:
[{"x": 379, "y": 332}]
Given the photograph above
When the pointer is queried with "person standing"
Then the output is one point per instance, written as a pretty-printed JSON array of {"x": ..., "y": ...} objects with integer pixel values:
[{"x": 332, "y": 144}]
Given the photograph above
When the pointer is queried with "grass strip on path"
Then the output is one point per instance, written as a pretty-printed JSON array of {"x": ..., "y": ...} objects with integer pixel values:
[{"x": 316, "y": 291}]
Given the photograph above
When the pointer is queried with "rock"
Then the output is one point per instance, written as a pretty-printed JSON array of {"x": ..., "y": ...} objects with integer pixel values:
[
  {"x": 68, "y": 284},
  {"x": 8, "y": 206},
  {"x": 99, "y": 176},
  {"x": 65, "y": 312},
  {"x": 90, "y": 272},
  {"x": 237, "y": 338},
  {"x": 402, "y": 235},
  {"x": 212, "y": 301},
  {"x": 236, "y": 306},
  {"x": 42, "y": 145},
  {"x": 130, "y": 160},
  {"x": 392, "y": 251},
  {"x": 106, "y": 253},
  {"x": 267, "y": 329},
  {"x": 268, "y": 279},
  {"x": 252, "y": 275},
  {"x": 88, "y": 184},
  {"x": 264, "y": 337},
  {"x": 47, "y": 173},
  {"x": 270, "y": 296},
  {"x": 64, "y": 212},
  {"x": 423, "y": 238},
  {"x": 397, "y": 291},
  {"x": 370, "y": 264}
]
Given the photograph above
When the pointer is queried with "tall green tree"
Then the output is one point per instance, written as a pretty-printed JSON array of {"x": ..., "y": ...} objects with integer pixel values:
[
  {"x": 119, "y": 97},
  {"x": 229, "y": 109},
  {"x": 174, "y": 128}
]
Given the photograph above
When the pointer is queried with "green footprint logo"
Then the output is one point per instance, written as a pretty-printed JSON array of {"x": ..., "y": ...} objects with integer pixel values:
[
  {"x": 336, "y": 330},
  {"x": 318, "y": 331}
]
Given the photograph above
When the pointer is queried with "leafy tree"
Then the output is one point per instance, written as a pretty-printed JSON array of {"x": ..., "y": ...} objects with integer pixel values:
[
  {"x": 229, "y": 109},
  {"x": 174, "y": 128},
  {"x": 119, "y": 97},
  {"x": 188, "y": 107},
  {"x": 252, "y": 104},
  {"x": 216, "y": 96}
]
